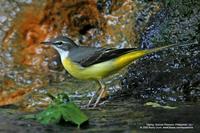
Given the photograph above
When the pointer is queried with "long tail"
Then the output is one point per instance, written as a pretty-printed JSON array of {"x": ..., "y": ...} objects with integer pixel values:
[
  {"x": 148, "y": 51},
  {"x": 129, "y": 57}
]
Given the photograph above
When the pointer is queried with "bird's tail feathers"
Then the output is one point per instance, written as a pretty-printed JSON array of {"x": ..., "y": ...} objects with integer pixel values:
[{"x": 169, "y": 46}]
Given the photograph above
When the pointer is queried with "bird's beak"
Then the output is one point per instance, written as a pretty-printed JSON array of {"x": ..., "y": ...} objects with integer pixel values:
[{"x": 46, "y": 43}]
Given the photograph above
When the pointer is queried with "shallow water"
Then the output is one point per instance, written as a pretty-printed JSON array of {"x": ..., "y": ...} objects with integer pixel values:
[{"x": 116, "y": 116}]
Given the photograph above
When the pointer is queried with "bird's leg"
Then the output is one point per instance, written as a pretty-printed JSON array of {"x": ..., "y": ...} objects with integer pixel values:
[
  {"x": 102, "y": 91},
  {"x": 99, "y": 97},
  {"x": 92, "y": 99}
]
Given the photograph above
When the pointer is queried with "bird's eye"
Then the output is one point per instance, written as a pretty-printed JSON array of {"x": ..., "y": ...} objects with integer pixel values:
[{"x": 59, "y": 43}]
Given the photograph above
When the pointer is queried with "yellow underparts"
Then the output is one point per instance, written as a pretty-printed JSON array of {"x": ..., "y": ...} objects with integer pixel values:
[{"x": 101, "y": 70}]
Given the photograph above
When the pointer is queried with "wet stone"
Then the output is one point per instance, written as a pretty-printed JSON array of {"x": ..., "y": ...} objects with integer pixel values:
[{"x": 175, "y": 70}]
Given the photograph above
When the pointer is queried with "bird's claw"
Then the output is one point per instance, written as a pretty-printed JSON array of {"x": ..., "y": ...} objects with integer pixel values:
[{"x": 96, "y": 103}]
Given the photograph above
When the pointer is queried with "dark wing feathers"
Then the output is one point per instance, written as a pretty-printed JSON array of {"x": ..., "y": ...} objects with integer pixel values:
[
  {"x": 111, "y": 54},
  {"x": 87, "y": 56}
]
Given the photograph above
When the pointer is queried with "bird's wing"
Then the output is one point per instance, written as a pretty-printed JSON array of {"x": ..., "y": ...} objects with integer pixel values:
[{"x": 87, "y": 56}]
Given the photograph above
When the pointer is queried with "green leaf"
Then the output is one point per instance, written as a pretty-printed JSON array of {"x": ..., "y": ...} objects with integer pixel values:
[
  {"x": 62, "y": 108},
  {"x": 69, "y": 112},
  {"x": 73, "y": 114},
  {"x": 49, "y": 116}
]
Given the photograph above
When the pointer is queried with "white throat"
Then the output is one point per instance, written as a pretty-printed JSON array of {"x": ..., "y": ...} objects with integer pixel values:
[{"x": 63, "y": 54}]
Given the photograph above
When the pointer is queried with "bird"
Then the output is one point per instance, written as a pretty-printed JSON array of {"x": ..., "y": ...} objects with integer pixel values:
[{"x": 96, "y": 63}]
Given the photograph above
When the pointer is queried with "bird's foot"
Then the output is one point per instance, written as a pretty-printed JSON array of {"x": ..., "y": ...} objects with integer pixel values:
[{"x": 102, "y": 96}]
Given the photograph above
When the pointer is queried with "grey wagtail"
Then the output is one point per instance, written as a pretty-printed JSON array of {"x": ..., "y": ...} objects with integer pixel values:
[{"x": 91, "y": 63}]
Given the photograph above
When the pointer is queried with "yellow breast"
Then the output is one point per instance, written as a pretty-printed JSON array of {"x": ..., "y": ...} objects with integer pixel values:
[{"x": 97, "y": 71}]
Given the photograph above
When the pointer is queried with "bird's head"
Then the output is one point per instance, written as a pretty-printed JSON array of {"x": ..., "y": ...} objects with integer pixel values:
[{"x": 62, "y": 44}]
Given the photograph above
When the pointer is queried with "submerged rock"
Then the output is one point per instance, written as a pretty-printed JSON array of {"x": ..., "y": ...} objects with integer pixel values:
[{"x": 173, "y": 75}]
